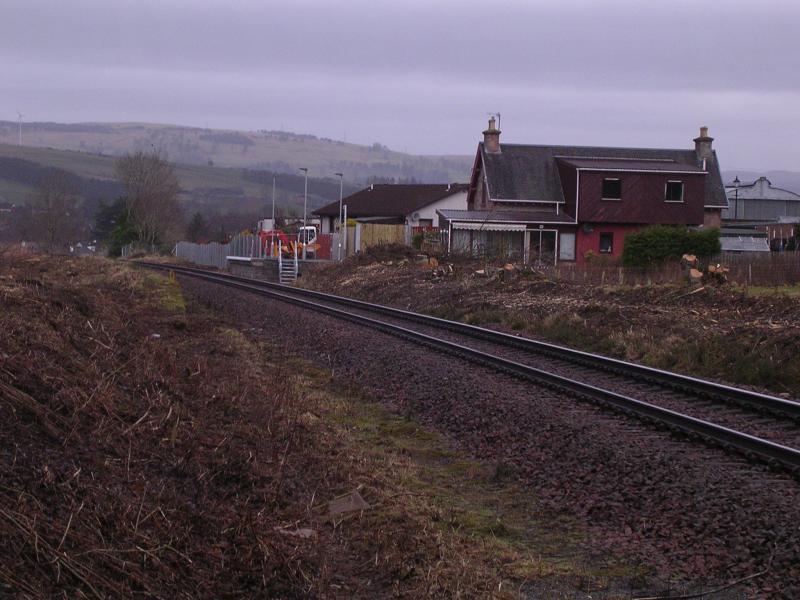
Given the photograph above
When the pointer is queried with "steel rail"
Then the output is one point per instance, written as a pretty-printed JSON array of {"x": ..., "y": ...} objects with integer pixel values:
[
  {"x": 717, "y": 435},
  {"x": 684, "y": 383}
]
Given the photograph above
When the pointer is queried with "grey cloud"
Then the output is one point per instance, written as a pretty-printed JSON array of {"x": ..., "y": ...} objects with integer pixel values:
[{"x": 615, "y": 72}]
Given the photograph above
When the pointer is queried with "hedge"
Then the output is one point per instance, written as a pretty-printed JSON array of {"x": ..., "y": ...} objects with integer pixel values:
[{"x": 660, "y": 243}]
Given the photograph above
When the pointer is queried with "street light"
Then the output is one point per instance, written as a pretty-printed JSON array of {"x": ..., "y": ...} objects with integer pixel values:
[
  {"x": 341, "y": 188},
  {"x": 305, "y": 209},
  {"x": 736, "y": 183},
  {"x": 273, "y": 200},
  {"x": 305, "y": 194}
]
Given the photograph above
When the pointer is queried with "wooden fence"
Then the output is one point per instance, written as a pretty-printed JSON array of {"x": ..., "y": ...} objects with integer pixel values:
[
  {"x": 763, "y": 269},
  {"x": 373, "y": 234}
]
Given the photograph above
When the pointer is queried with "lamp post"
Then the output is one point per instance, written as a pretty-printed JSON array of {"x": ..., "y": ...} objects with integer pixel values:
[
  {"x": 341, "y": 189},
  {"x": 305, "y": 193},
  {"x": 305, "y": 206},
  {"x": 273, "y": 200},
  {"x": 736, "y": 183}
]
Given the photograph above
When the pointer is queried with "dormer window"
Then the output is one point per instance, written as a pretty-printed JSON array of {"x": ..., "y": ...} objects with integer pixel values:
[
  {"x": 673, "y": 191},
  {"x": 612, "y": 189}
]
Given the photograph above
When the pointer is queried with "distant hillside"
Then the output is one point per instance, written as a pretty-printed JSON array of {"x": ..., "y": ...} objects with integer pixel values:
[
  {"x": 278, "y": 151},
  {"x": 788, "y": 180},
  {"x": 212, "y": 189}
]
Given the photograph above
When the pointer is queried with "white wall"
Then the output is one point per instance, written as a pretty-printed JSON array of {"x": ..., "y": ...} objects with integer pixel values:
[
  {"x": 327, "y": 225},
  {"x": 457, "y": 201}
]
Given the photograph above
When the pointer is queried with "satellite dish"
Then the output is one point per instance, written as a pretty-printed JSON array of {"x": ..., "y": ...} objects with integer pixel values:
[{"x": 415, "y": 216}]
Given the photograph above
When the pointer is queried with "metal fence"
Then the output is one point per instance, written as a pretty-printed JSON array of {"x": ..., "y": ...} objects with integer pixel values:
[
  {"x": 246, "y": 245},
  {"x": 210, "y": 255}
]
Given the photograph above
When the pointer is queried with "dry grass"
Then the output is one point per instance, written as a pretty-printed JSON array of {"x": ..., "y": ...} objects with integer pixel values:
[
  {"x": 481, "y": 530},
  {"x": 146, "y": 448}
]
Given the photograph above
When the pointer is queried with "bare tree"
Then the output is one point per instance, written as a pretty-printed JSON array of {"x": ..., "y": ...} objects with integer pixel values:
[
  {"x": 54, "y": 218},
  {"x": 151, "y": 189}
]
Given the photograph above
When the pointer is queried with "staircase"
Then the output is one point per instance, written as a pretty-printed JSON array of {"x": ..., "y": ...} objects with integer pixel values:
[{"x": 287, "y": 267}]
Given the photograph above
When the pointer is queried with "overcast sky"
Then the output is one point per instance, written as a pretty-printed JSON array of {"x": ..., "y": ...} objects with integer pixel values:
[{"x": 420, "y": 75}]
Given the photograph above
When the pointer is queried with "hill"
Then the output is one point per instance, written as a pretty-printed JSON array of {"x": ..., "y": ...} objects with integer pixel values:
[
  {"x": 278, "y": 151},
  {"x": 206, "y": 188}
]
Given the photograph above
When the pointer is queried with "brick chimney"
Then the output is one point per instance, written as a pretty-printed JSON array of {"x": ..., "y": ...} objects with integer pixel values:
[
  {"x": 491, "y": 138},
  {"x": 702, "y": 144}
]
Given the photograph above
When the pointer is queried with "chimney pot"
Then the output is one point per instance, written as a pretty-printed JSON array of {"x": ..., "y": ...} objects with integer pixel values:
[
  {"x": 702, "y": 145},
  {"x": 491, "y": 137}
]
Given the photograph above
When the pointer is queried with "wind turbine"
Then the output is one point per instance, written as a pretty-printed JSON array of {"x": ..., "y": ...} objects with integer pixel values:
[{"x": 20, "y": 127}]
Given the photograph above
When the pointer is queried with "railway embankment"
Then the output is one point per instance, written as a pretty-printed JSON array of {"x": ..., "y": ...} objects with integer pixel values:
[{"x": 148, "y": 447}]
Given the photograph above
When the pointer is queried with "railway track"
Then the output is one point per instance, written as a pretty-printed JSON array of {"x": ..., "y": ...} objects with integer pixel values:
[{"x": 758, "y": 426}]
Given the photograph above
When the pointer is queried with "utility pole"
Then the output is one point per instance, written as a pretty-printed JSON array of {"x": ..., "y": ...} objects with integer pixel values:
[
  {"x": 20, "y": 127},
  {"x": 341, "y": 229}
]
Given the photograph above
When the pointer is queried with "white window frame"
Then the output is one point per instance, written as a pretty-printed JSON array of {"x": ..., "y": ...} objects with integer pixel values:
[
  {"x": 666, "y": 185},
  {"x": 620, "y": 189}
]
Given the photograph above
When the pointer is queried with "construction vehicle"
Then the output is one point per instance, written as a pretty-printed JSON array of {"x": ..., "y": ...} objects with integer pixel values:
[{"x": 276, "y": 240}]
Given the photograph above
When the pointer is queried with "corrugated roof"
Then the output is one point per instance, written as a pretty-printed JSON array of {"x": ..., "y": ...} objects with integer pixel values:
[
  {"x": 738, "y": 231},
  {"x": 761, "y": 189},
  {"x": 391, "y": 200},
  {"x": 505, "y": 216},
  {"x": 530, "y": 172},
  {"x": 743, "y": 244}
]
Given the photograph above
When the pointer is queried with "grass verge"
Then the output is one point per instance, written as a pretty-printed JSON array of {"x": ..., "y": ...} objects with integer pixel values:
[{"x": 491, "y": 539}]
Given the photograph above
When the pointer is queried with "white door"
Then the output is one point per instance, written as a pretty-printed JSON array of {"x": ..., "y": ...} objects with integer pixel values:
[{"x": 566, "y": 250}]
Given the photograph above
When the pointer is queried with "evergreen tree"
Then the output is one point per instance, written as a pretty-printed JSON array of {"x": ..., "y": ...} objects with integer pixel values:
[{"x": 197, "y": 231}]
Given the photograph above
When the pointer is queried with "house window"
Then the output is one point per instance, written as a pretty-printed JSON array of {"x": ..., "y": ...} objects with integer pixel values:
[
  {"x": 612, "y": 189},
  {"x": 674, "y": 191},
  {"x": 606, "y": 243}
]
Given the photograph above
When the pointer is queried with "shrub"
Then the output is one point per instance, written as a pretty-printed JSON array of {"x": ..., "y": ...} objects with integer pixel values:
[
  {"x": 416, "y": 241},
  {"x": 660, "y": 243}
]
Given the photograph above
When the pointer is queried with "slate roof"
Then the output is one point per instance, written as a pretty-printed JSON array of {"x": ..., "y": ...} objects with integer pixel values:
[
  {"x": 609, "y": 164},
  {"x": 530, "y": 172},
  {"x": 391, "y": 200},
  {"x": 505, "y": 216}
]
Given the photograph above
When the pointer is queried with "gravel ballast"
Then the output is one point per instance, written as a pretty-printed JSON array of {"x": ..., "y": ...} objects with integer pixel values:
[{"x": 688, "y": 512}]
